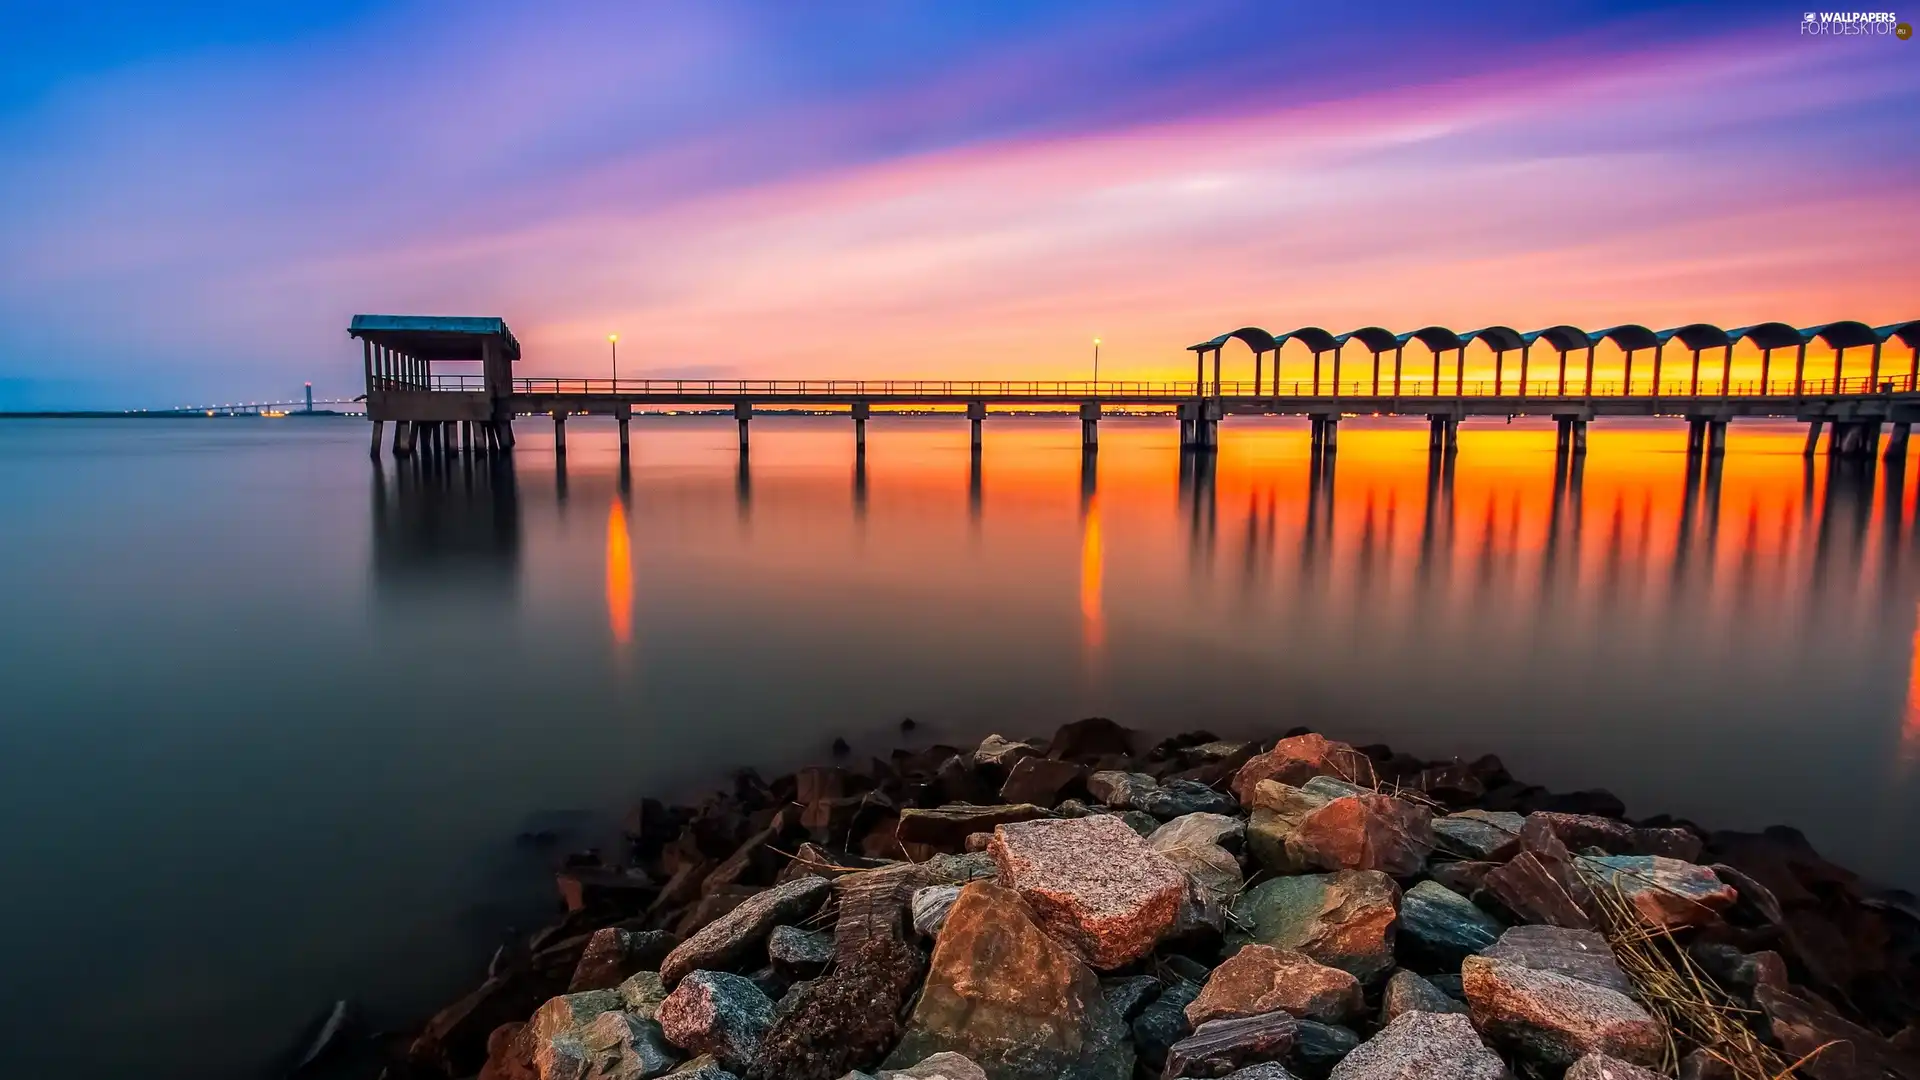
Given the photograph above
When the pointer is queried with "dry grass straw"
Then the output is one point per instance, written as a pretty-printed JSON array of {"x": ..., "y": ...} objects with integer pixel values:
[{"x": 1698, "y": 1012}]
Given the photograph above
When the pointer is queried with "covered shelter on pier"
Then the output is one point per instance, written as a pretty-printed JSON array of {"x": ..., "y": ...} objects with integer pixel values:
[{"x": 399, "y": 353}]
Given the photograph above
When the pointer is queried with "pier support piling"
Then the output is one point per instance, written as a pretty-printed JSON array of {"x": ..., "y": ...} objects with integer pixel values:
[
  {"x": 626, "y": 445},
  {"x": 976, "y": 412},
  {"x": 1813, "y": 439},
  {"x": 1897, "y": 442},
  {"x": 1562, "y": 435},
  {"x": 378, "y": 427},
  {"x": 860, "y": 411},
  {"x": 1716, "y": 438},
  {"x": 1090, "y": 425},
  {"x": 1696, "y": 434},
  {"x": 743, "y": 412},
  {"x": 1579, "y": 436},
  {"x": 559, "y": 431},
  {"x": 403, "y": 439}
]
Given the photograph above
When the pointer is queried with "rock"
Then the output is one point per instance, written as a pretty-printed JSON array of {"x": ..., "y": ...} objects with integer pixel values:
[
  {"x": 1407, "y": 992},
  {"x": 724, "y": 941},
  {"x": 997, "y": 753},
  {"x": 1741, "y": 973},
  {"x": 1450, "y": 986},
  {"x": 1439, "y": 927},
  {"x": 1090, "y": 738},
  {"x": 1602, "y": 1067},
  {"x": 1318, "y": 1047},
  {"x": 1540, "y": 885},
  {"x": 1218, "y": 1047},
  {"x": 942, "y": 1066},
  {"x": 1012, "y": 999},
  {"x": 1140, "y": 822},
  {"x": 613, "y": 954},
  {"x": 713, "y": 1012},
  {"x": 1175, "y": 798},
  {"x": 1092, "y": 883},
  {"x": 1581, "y": 954},
  {"x": 1164, "y": 1021},
  {"x": 1296, "y": 760},
  {"x": 1040, "y": 780},
  {"x": 1581, "y": 832},
  {"x": 585, "y": 1036},
  {"x": 1262, "y": 979},
  {"x": 930, "y": 907},
  {"x": 704, "y": 1067},
  {"x": 1120, "y": 790},
  {"x": 1484, "y": 835},
  {"x": 946, "y": 827},
  {"x": 1423, "y": 1046},
  {"x": 622, "y": 1046},
  {"x": 1465, "y": 878},
  {"x": 1802, "y": 1027},
  {"x": 1452, "y": 784},
  {"x": 642, "y": 993},
  {"x": 1127, "y": 995},
  {"x": 1344, "y": 920},
  {"x": 1312, "y": 827},
  {"x": 1266, "y": 1070},
  {"x": 799, "y": 948},
  {"x": 1198, "y": 830},
  {"x": 1665, "y": 892},
  {"x": 1700, "y": 1065},
  {"x": 1555, "y": 1018}
]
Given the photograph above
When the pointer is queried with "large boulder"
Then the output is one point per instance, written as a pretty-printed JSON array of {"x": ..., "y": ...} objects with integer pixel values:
[
  {"x": 1440, "y": 928},
  {"x": 1423, "y": 1046},
  {"x": 1219, "y": 1046},
  {"x": 1541, "y": 884},
  {"x": 1555, "y": 1018},
  {"x": 1664, "y": 892},
  {"x": 1192, "y": 843},
  {"x": 1296, "y": 760},
  {"x": 713, "y": 1012},
  {"x": 1481, "y": 835},
  {"x": 1310, "y": 827},
  {"x": 1005, "y": 994},
  {"x": 589, "y": 1035},
  {"x": 1839, "y": 1048},
  {"x": 728, "y": 939},
  {"x": 1344, "y": 920},
  {"x": 1093, "y": 883},
  {"x": 1262, "y": 979}
]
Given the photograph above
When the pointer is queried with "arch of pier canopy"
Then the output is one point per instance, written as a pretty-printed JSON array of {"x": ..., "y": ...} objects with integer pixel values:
[
  {"x": 1436, "y": 375},
  {"x": 1374, "y": 371},
  {"x": 1842, "y": 335},
  {"x": 1768, "y": 335},
  {"x": 1562, "y": 338},
  {"x": 1567, "y": 370},
  {"x": 1697, "y": 336},
  {"x": 1907, "y": 332},
  {"x": 1491, "y": 362},
  {"x": 1255, "y": 339}
]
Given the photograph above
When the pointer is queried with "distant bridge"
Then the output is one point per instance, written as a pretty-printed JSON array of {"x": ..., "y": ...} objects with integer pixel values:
[
  {"x": 463, "y": 411},
  {"x": 247, "y": 408}
]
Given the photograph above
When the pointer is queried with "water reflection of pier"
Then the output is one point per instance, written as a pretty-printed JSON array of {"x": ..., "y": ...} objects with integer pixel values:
[{"x": 446, "y": 525}]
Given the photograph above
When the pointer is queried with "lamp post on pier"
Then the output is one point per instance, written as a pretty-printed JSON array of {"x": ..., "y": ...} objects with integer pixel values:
[
  {"x": 613, "y": 344},
  {"x": 1096, "y": 363}
]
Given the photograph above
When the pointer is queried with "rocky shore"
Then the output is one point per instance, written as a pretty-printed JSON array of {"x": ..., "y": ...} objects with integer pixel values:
[{"x": 1087, "y": 907}]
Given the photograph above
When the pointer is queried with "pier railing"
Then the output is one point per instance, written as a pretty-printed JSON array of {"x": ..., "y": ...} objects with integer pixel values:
[{"x": 861, "y": 389}]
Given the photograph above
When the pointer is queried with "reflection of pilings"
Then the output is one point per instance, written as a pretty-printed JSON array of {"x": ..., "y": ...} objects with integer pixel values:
[
  {"x": 1436, "y": 525},
  {"x": 1846, "y": 511},
  {"x": 1556, "y": 511},
  {"x": 1689, "y": 506},
  {"x": 429, "y": 531},
  {"x": 560, "y": 480},
  {"x": 1089, "y": 476},
  {"x": 743, "y": 486},
  {"x": 973, "y": 485},
  {"x": 860, "y": 484},
  {"x": 1710, "y": 511},
  {"x": 1893, "y": 510},
  {"x": 1205, "y": 516}
]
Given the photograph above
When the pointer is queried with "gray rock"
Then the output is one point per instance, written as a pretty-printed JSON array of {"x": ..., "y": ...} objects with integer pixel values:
[
  {"x": 1556, "y": 1019},
  {"x": 1266, "y": 1070},
  {"x": 642, "y": 993},
  {"x": 703, "y": 1067},
  {"x": 713, "y": 1012},
  {"x": 624, "y": 1046},
  {"x": 1479, "y": 835},
  {"x": 996, "y": 752},
  {"x": 1198, "y": 830},
  {"x": 724, "y": 941},
  {"x": 1440, "y": 928},
  {"x": 1602, "y": 1067},
  {"x": 1191, "y": 843},
  {"x": 1128, "y": 994},
  {"x": 1423, "y": 1046},
  {"x": 1178, "y": 798},
  {"x": 1220, "y": 1046},
  {"x": 1317, "y": 1047},
  {"x": 1120, "y": 790},
  {"x": 612, "y": 954},
  {"x": 587, "y": 1036},
  {"x": 1139, "y": 821},
  {"x": 1407, "y": 992},
  {"x": 1581, "y": 954},
  {"x": 799, "y": 948},
  {"x": 930, "y": 907},
  {"x": 1742, "y": 973},
  {"x": 945, "y": 1065},
  {"x": 1164, "y": 1021}
]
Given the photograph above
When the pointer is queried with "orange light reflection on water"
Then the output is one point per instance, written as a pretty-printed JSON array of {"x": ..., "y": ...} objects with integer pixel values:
[
  {"x": 1093, "y": 627},
  {"x": 619, "y": 574}
]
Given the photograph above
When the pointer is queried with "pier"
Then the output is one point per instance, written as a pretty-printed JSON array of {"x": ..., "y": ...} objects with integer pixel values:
[{"x": 438, "y": 411}]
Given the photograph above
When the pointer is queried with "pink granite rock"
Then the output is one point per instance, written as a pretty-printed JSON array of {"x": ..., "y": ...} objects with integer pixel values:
[
  {"x": 1091, "y": 882},
  {"x": 1299, "y": 759},
  {"x": 1555, "y": 1018},
  {"x": 1262, "y": 979}
]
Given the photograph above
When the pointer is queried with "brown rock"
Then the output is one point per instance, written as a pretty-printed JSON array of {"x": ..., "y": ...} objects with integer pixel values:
[
  {"x": 1366, "y": 832},
  {"x": 1009, "y": 997},
  {"x": 1040, "y": 780},
  {"x": 1423, "y": 1046},
  {"x": 1407, "y": 992},
  {"x": 1262, "y": 979},
  {"x": 712, "y": 1012},
  {"x": 1294, "y": 761},
  {"x": 727, "y": 939},
  {"x": 1465, "y": 878},
  {"x": 1093, "y": 883},
  {"x": 1556, "y": 1018},
  {"x": 1840, "y": 1049},
  {"x": 711, "y": 908},
  {"x": 1602, "y": 1067},
  {"x": 1540, "y": 885},
  {"x": 1090, "y": 738},
  {"x": 613, "y": 954},
  {"x": 1487, "y": 835},
  {"x": 998, "y": 753},
  {"x": 1344, "y": 920},
  {"x": 1579, "y": 954},
  {"x": 1664, "y": 892},
  {"x": 946, "y": 827},
  {"x": 1220, "y": 1046}
]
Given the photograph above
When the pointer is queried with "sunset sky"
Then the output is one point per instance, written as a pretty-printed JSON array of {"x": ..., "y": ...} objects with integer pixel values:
[{"x": 195, "y": 201}]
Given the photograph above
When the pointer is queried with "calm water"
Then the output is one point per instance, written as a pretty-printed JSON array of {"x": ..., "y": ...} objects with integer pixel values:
[{"x": 273, "y": 716}]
